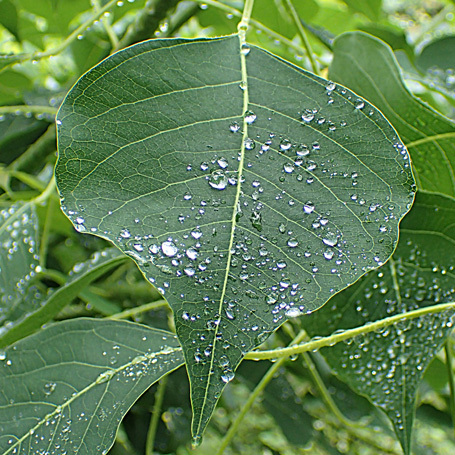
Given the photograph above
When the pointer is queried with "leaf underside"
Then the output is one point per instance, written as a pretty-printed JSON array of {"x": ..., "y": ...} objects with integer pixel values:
[
  {"x": 242, "y": 219},
  {"x": 74, "y": 381},
  {"x": 387, "y": 365}
]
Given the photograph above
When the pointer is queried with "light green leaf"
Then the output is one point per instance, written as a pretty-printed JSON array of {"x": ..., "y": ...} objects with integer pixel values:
[
  {"x": 82, "y": 275},
  {"x": 387, "y": 365},
  {"x": 244, "y": 207},
  {"x": 368, "y": 66},
  {"x": 18, "y": 263},
  {"x": 66, "y": 388},
  {"x": 8, "y": 17}
]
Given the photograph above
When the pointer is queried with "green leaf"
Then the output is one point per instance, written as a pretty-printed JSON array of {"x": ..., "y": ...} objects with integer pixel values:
[
  {"x": 280, "y": 400},
  {"x": 8, "y": 17},
  {"x": 244, "y": 207},
  {"x": 368, "y": 66},
  {"x": 370, "y": 8},
  {"x": 67, "y": 388},
  {"x": 387, "y": 365},
  {"x": 83, "y": 274},
  {"x": 18, "y": 263},
  {"x": 438, "y": 54}
]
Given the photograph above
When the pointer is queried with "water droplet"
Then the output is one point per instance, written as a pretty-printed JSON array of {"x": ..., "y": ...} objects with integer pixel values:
[
  {"x": 250, "y": 117},
  {"x": 288, "y": 168},
  {"x": 293, "y": 312},
  {"x": 169, "y": 248},
  {"x": 234, "y": 127},
  {"x": 245, "y": 49},
  {"x": 292, "y": 243},
  {"x": 308, "y": 115},
  {"x": 359, "y": 104},
  {"x": 192, "y": 253},
  {"x": 330, "y": 239},
  {"x": 308, "y": 207},
  {"x": 285, "y": 144},
  {"x": 331, "y": 86},
  {"x": 218, "y": 180},
  {"x": 249, "y": 143},
  {"x": 227, "y": 376}
]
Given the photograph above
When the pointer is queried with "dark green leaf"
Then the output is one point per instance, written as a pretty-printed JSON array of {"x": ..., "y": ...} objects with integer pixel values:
[
  {"x": 67, "y": 388},
  {"x": 281, "y": 402},
  {"x": 243, "y": 219},
  {"x": 438, "y": 54},
  {"x": 8, "y": 17},
  {"x": 83, "y": 274},
  {"x": 368, "y": 66},
  {"x": 387, "y": 366},
  {"x": 370, "y": 8}
]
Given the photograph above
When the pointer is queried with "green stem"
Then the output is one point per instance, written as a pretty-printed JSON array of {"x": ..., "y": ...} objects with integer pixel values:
[
  {"x": 254, "y": 23},
  {"x": 451, "y": 380},
  {"x": 28, "y": 179},
  {"x": 68, "y": 40},
  {"x": 130, "y": 313},
  {"x": 44, "y": 196},
  {"x": 159, "y": 397},
  {"x": 252, "y": 397},
  {"x": 331, "y": 340},
  {"x": 26, "y": 109},
  {"x": 302, "y": 34},
  {"x": 44, "y": 243},
  {"x": 104, "y": 20}
]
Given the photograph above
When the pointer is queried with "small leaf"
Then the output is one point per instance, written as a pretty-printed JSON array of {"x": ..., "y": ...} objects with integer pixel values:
[
  {"x": 439, "y": 54},
  {"x": 8, "y": 17},
  {"x": 83, "y": 274},
  {"x": 242, "y": 217},
  {"x": 387, "y": 366},
  {"x": 66, "y": 388},
  {"x": 368, "y": 66}
]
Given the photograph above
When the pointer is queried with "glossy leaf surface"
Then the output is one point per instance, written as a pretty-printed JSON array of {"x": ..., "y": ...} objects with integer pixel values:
[
  {"x": 67, "y": 388},
  {"x": 245, "y": 203},
  {"x": 368, "y": 66},
  {"x": 387, "y": 366}
]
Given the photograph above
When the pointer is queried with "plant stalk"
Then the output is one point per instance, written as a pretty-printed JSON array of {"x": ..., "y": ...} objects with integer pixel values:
[
  {"x": 159, "y": 397},
  {"x": 451, "y": 380},
  {"x": 302, "y": 34},
  {"x": 331, "y": 340}
]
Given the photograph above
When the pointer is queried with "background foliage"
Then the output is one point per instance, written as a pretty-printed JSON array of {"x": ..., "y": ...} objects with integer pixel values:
[{"x": 399, "y": 56}]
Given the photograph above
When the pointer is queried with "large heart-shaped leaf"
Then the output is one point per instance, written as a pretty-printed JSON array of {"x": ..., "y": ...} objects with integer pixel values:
[
  {"x": 247, "y": 189},
  {"x": 387, "y": 365},
  {"x": 66, "y": 388},
  {"x": 368, "y": 66}
]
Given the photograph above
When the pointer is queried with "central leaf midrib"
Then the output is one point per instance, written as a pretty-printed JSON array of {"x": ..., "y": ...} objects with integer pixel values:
[{"x": 244, "y": 89}]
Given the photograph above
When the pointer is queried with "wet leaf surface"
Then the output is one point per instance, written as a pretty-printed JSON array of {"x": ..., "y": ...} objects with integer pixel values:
[
  {"x": 245, "y": 203},
  {"x": 387, "y": 365},
  {"x": 67, "y": 388},
  {"x": 368, "y": 66}
]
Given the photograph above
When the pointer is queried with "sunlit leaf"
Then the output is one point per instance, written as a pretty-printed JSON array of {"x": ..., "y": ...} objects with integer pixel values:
[
  {"x": 67, "y": 388},
  {"x": 245, "y": 204},
  {"x": 368, "y": 66},
  {"x": 387, "y": 365}
]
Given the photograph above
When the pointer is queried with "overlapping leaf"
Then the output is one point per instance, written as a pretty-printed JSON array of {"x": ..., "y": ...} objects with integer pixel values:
[
  {"x": 67, "y": 388},
  {"x": 368, "y": 66},
  {"x": 387, "y": 366},
  {"x": 246, "y": 203},
  {"x": 31, "y": 318}
]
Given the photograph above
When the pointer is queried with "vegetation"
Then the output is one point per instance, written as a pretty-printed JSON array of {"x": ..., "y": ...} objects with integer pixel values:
[{"x": 245, "y": 242}]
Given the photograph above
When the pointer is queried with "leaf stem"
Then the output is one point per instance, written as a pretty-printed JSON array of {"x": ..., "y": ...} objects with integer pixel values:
[
  {"x": 132, "y": 312},
  {"x": 68, "y": 40},
  {"x": 44, "y": 243},
  {"x": 302, "y": 34},
  {"x": 159, "y": 397},
  {"x": 251, "y": 399},
  {"x": 254, "y": 23},
  {"x": 26, "y": 109},
  {"x": 109, "y": 30},
  {"x": 451, "y": 380},
  {"x": 321, "y": 342}
]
